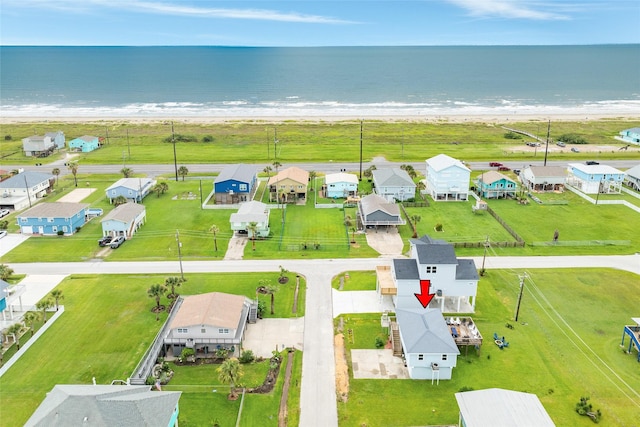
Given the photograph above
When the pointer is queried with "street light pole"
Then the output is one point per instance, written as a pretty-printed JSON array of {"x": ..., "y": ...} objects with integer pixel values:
[{"x": 180, "y": 254}]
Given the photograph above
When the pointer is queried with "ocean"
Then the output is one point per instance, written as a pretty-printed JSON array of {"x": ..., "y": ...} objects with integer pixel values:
[{"x": 139, "y": 82}]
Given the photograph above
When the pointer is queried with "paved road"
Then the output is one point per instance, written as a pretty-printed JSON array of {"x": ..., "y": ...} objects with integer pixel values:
[{"x": 318, "y": 394}]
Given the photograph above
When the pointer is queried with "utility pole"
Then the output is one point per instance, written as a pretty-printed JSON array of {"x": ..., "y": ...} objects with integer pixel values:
[
  {"x": 360, "y": 150},
  {"x": 175, "y": 160},
  {"x": 521, "y": 278},
  {"x": 128, "y": 145},
  {"x": 484, "y": 257},
  {"x": 179, "y": 253},
  {"x": 275, "y": 143},
  {"x": 547, "y": 148}
]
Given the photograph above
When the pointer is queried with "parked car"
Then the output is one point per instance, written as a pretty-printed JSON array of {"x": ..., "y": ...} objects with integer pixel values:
[
  {"x": 105, "y": 241},
  {"x": 575, "y": 149},
  {"x": 115, "y": 243},
  {"x": 503, "y": 169},
  {"x": 516, "y": 171},
  {"x": 533, "y": 144},
  {"x": 2, "y": 234},
  {"x": 561, "y": 144},
  {"x": 4, "y": 212},
  {"x": 495, "y": 164},
  {"x": 592, "y": 162}
]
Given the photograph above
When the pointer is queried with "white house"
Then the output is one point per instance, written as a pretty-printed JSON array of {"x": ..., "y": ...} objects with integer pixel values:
[
  {"x": 134, "y": 189},
  {"x": 429, "y": 349},
  {"x": 447, "y": 178},
  {"x": 543, "y": 178},
  {"x": 341, "y": 185},
  {"x": 124, "y": 220},
  {"x": 38, "y": 146},
  {"x": 393, "y": 184},
  {"x": 632, "y": 177},
  {"x": 592, "y": 179},
  {"x": 24, "y": 189},
  {"x": 249, "y": 212}
]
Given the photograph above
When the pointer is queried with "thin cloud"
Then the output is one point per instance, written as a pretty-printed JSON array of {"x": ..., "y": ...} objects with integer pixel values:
[
  {"x": 510, "y": 9},
  {"x": 174, "y": 9}
]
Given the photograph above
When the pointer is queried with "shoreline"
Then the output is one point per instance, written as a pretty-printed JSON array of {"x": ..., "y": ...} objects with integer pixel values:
[{"x": 439, "y": 118}]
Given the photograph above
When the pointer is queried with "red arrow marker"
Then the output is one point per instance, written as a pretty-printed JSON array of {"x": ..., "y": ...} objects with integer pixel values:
[{"x": 424, "y": 296}]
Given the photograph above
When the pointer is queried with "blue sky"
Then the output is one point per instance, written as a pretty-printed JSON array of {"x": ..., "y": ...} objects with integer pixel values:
[{"x": 318, "y": 23}]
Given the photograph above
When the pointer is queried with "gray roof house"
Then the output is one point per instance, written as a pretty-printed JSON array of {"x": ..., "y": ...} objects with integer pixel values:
[
  {"x": 23, "y": 189},
  {"x": 124, "y": 220},
  {"x": 429, "y": 349},
  {"x": 38, "y": 145},
  {"x": 393, "y": 184},
  {"x": 249, "y": 212},
  {"x": 543, "y": 178},
  {"x": 632, "y": 177},
  {"x": 134, "y": 189},
  {"x": 236, "y": 183},
  {"x": 499, "y": 407},
  {"x": 106, "y": 406},
  {"x": 375, "y": 210}
]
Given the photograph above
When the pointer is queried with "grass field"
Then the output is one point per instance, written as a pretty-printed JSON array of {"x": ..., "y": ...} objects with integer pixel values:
[
  {"x": 565, "y": 345},
  {"x": 300, "y": 141},
  {"x": 94, "y": 338}
]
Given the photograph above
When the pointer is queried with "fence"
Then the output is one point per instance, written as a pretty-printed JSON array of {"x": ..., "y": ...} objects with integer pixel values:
[
  {"x": 493, "y": 244},
  {"x": 505, "y": 225},
  {"x": 583, "y": 243}
]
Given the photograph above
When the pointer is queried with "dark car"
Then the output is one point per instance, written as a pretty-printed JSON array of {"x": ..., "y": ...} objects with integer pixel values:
[
  {"x": 105, "y": 241},
  {"x": 495, "y": 164},
  {"x": 503, "y": 169},
  {"x": 592, "y": 162},
  {"x": 115, "y": 243}
]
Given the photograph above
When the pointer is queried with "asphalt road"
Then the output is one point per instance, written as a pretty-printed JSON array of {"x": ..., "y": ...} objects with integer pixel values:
[{"x": 318, "y": 399}]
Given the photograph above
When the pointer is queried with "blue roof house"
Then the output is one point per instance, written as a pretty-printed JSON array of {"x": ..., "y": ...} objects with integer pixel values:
[
  {"x": 49, "y": 219},
  {"x": 235, "y": 184},
  {"x": 85, "y": 143},
  {"x": 494, "y": 185},
  {"x": 133, "y": 189},
  {"x": 630, "y": 135},
  {"x": 593, "y": 179},
  {"x": 341, "y": 185}
]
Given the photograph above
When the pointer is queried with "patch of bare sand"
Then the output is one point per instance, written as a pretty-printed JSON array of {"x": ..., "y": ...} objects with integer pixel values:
[
  {"x": 77, "y": 195},
  {"x": 342, "y": 369}
]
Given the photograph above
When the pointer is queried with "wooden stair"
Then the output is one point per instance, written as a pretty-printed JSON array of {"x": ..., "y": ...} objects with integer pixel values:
[{"x": 395, "y": 340}]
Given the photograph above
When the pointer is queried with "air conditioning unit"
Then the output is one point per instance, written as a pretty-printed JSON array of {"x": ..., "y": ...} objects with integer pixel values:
[{"x": 439, "y": 292}]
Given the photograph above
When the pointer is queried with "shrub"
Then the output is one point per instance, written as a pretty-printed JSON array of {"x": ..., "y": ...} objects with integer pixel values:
[
  {"x": 572, "y": 138},
  {"x": 379, "y": 342},
  {"x": 181, "y": 138},
  {"x": 512, "y": 135},
  {"x": 188, "y": 354},
  {"x": 465, "y": 388},
  {"x": 207, "y": 138},
  {"x": 438, "y": 227},
  {"x": 60, "y": 233},
  {"x": 4, "y": 225},
  {"x": 247, "y": 356},
  {"x": 8, "y": 138}
]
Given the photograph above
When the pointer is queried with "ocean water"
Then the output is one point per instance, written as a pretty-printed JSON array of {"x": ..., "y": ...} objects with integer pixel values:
[{"x": 332, "y": 81}]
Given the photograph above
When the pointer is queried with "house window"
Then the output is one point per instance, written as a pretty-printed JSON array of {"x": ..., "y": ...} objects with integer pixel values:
[
  {"x": 223, "y": 331},
  {"x": 54, "y": 229},
  {"x": 431, "y": 269},
  {"x": 444, "y": 357},
  {"x": 421, "y": 357},
  {"x": 113, "y": 192},
  {"x": 182, "y": 330},
  {"x": 23, "y": 220},
  {"x": 64, "y": 228},
  {"x": 243, "y": 187},
  {"x": 131, "y": 192},
  {"x": 203, "y": 330}
]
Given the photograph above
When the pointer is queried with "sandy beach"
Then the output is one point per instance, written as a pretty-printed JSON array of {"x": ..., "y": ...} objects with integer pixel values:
[{"x": 452, "y": 118}]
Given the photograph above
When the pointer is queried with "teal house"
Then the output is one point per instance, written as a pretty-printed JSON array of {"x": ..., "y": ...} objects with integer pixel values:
[
  {"x": 494, "y": 185},
  {"x": 630, "y": 135},
  {"x": 85, "y": 143}
]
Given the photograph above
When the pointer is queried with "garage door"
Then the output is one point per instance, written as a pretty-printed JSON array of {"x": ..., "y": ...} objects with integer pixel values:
[{"x": 27, "y": 229}]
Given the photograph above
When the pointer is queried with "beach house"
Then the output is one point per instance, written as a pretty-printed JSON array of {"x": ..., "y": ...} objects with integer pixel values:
[
  {"x": 543, "y": 178},
  {"x": 208, "y": 322},
  {"x": 593, "y": 179},
  {"x": 133, "y": 189},
  {"x": 393, "y": 184},
  {"x": 124, "y": 220},
  {"x": 289, "y": 185},
  {"x": 85, "y": 143},
  {"x": 42, "y": 145},
  {"x": 340, "y": 185},
  {"x": 25, "y": 189},
  {"x": 376, "y": 211},
  {"x": 494, "y": 185},
  {"x": 632, "y": 177},
  {"x": 50, "y": 219},
  {"x": 631, "y": 135},
  {"x": 235, "y": 184},
  {"x": 251, "y": 212},
  {"x": 447, "y": 178}
]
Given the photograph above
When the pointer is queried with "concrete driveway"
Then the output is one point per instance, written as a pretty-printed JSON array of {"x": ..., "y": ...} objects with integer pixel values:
[
  {"x": 236, "y": 248},
  {"x": 268, "y": 335},
  {"x": 377, "y": 364},
  {"x": 386, "y": 242}
]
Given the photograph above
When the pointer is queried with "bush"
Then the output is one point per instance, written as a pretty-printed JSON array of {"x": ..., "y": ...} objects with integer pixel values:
[
  {"x": 60, "y": 233},
  {"x": 181, "y": 138},
  {"x": 512, "y": 135},
  {"x": 572, "y": 138},
  {"x": 4, "y": 225},
  {"x": 247, "y": 356},
  {"x": 8, "y": 138},
  {"x": 438, "y": 227},
  {"x": 207, "y": 138},
  {"x": 188, "y": 354},
  {"x": 379, "y": 342}
]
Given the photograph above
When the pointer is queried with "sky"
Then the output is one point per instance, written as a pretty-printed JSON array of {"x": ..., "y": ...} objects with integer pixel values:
[{"x": 318, "y": 22}]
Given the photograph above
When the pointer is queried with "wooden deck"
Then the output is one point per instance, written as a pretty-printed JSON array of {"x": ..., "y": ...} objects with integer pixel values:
[{"x": 464, "y": 331}]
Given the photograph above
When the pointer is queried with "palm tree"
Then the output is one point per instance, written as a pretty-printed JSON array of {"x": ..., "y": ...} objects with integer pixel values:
[
  {"x": 30, "y": 318},
  {"x": 172, "y": 283},
  {"x": 43, "y": 305},
  {"x": 127, "y": 172},
  {"x": 56, "y": 172},
  {"x": 349, "y": 223},
  {"x": 5, "y": 272},
  {"x": 120, "y": 200},
  {"x": 252, "y": 228},
  {"x": 164, "y": 187},
  {"x": 73, "y": 167},
  {"x": 312, "y": 178},
  {"x": 276, "y": 165},
  {"x": 56, "y": 294},
  {"x": 157, "y": 189},
  {"x": 14, "y": 330},
  {"x": 415, "y": 219},
  {"x": 157, "y": 291},
  {"x": 230, "y": 373},
  {"x": 271, "y": 289},
  {"x": 267, "y": 170},
  {"x": 183, "y": 171},
  {"x": 214, "y": 229},
  {"x": 410, "y": 170}
]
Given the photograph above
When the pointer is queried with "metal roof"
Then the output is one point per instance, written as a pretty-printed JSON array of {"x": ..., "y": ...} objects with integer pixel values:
[
  {"x": 499, "y": 407},
  {"x": 634, "y": 171},
  {"x": 442, "y": 161},
  {"x": 341, "y": 177},
  {"x": 32, "y": 179},
  {"x": 425, "y": 331},
  {"x": 125, "y": 212},
  {"x": 135, "y": 184},
  {"x": 53, "y": 210},
  {"x": 239, "y": 172},
  {"x": 392, "y": 177},
  {"x": 596, "y": 169},
  {"x": 548, "y": 171}
]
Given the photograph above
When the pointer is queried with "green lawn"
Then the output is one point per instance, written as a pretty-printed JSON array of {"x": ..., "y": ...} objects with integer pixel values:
[
  {"x": 566, "y": 345},
  {"x": 94, "y": 337},
  {"x": 356, "y": 281}
]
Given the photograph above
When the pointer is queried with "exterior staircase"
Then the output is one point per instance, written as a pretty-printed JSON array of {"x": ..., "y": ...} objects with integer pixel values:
[{"x": 395, "y": 340}]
